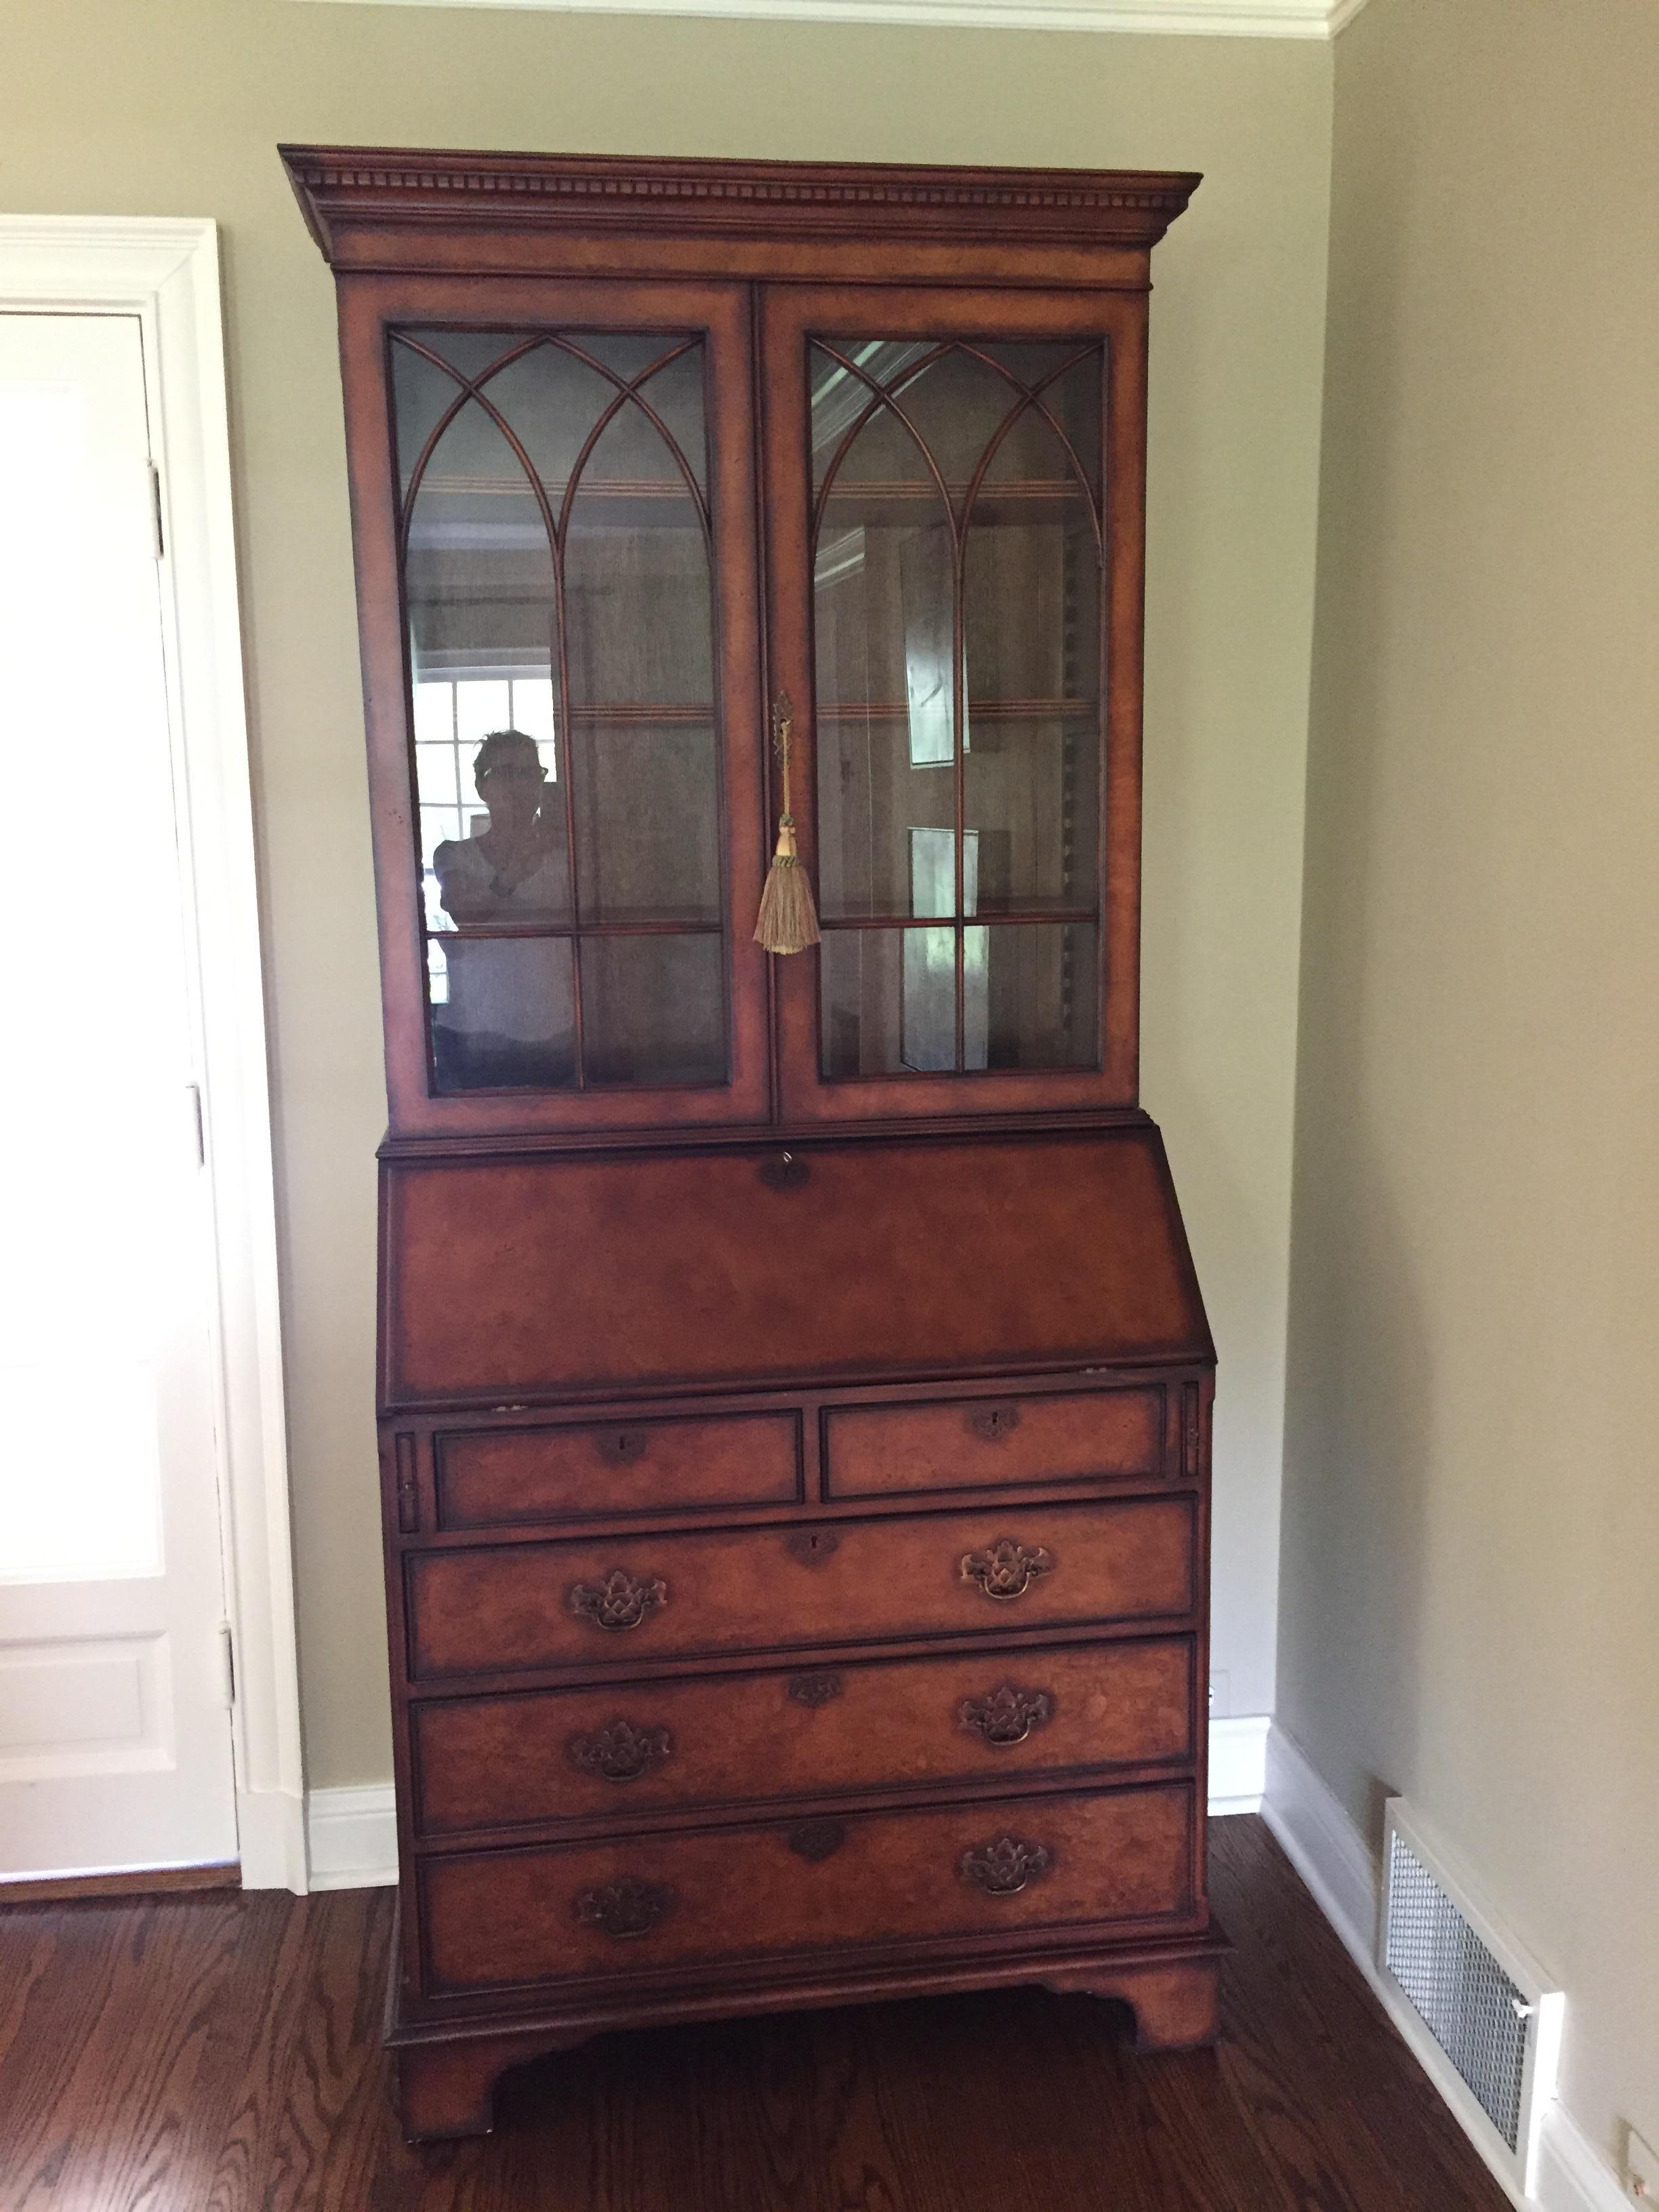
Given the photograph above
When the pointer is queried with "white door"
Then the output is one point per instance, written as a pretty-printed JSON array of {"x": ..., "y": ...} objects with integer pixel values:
[{"x": 115, "y": 1745}]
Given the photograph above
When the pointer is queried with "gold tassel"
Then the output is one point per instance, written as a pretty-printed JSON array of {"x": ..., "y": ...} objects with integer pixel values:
[{"x": 787, "y": 921}]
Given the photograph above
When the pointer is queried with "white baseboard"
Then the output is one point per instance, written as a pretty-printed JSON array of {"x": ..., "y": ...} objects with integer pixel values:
[
  {"x": 1238, "y": 1763},
  {"x": 270, "y": 1832},
  {"x": 1340, "y": 1869},
  {"x": 1572, "y": 2174},
  {"x": 353, "y": 1836},
  {"x": 353, "y": 1833}
]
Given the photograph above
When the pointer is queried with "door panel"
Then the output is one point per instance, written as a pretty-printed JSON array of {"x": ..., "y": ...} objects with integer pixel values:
[
  {"x": 571, "y": 689},
  {"x": 114, "y": 1731},
  {"x": 945, "y": 472}
]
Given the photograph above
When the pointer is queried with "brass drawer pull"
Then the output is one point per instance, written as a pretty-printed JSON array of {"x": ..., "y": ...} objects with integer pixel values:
[
  {"x": 818, "y": 1840},
  {"x": 625, "y": 1907},
  {"x": 621, "y": 1447},
  {"x": 994, "y": 1425},
  {"x": 621, "y": 1601},
  {"x": 620, "y": 1752},
  {"x": 1006, "y": 1715},
  {"x": 1002, "y": 1868},
  {"x": 1007, "y": 1569},
  {"x": 816, "y": 1688},
  {"x": 810, "y": 1547}
]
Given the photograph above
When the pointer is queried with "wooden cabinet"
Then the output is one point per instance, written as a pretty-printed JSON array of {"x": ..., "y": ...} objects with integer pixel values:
[{"x": 795, "y": 1394}]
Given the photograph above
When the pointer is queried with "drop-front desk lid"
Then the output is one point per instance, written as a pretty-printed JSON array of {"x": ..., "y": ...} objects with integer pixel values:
[{"x": 742, "y": 1267}]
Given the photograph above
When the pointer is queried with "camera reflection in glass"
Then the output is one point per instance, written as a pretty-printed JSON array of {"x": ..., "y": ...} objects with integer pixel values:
[{"x": 508, "y": 1019}]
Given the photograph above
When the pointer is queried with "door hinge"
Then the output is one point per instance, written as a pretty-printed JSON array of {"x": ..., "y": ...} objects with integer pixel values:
[
  {"x": 157, "y": 542},
  {"x": 194, "y": 1094},
  {"x": 228, "y": 1663}
]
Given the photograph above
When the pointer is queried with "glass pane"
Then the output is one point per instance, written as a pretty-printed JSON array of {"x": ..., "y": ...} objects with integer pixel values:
[
  {"x": 503, "y": 1014},
  {"x": 884, "y": 615},
  {"x": 638, "y": 606},
  {"x": 561, "y": 628},
  {"x": 1064, "y": 384},
  {"x": 478, "y": 583},
  {"x": 1032, "y": 806},
  {"x": 958, "y": 500},
  {"x": 647, "y": 839},
  {"x": 888, "y": 1001},
  {"x": 1038, "y": 989},
  {"x": 653, "y": 1010}
]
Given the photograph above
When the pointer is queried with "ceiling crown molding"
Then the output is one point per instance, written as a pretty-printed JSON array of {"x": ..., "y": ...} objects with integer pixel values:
[{"x": 1251, "y": 18}]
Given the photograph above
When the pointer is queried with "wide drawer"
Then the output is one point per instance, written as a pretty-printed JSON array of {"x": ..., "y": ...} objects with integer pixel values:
[
  {"x": 497, "y": 1762},
  {"x": 491, "y": 1477},
  {"x": 492, "y": 1609},
  {"x": 981, "y": 1442},
  {"x": 497, "y": 1919}
]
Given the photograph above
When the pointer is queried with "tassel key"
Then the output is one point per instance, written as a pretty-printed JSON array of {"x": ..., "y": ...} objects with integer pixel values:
[{"x": 787, "y": 921}]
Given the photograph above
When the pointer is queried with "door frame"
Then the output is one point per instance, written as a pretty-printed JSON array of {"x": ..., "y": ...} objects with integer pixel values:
[{"x": 165, "y": 271}]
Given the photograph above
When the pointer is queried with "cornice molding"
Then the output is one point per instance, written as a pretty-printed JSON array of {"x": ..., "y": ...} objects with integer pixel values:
[
  {"x": 1249, "y": 19},
  {"x": 339, "y": 187}
]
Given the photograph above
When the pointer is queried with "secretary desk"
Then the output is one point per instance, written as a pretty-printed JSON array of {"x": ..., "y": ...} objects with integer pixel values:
[{"x": 794, "y": 1386}]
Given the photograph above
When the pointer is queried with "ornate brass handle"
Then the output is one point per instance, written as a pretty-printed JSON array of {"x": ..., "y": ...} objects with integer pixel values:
[
  {"x": 1007, "y": 1569},
  {"x": 1006, "y": 1715},
  {"x": 625, "y": 1907},
  {"x": 1003, "y": 1868},
  {"x": 621, "y": 1601},
  {"x": 994, "y": 1425},
  {"x": 620, "y": 1752}
]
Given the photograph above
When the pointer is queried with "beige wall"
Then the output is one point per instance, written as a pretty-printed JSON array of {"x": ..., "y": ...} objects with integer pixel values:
[
  {"x": 1471, "y": 1561},
  {"x": 173, "y": 107}
]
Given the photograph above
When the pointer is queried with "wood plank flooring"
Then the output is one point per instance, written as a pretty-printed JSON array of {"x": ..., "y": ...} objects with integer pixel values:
[{"x": 221, "y": 2053}]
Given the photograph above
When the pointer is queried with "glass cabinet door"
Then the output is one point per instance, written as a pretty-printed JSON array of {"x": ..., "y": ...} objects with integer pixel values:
[
  {"x": 566, "y": 592},
  {"x": 954, "y": 532}
]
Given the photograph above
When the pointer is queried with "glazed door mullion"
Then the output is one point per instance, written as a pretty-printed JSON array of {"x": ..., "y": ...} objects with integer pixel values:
[
  {"x": 1001, "y": 924},
  {"x": 612, "y": 883}
]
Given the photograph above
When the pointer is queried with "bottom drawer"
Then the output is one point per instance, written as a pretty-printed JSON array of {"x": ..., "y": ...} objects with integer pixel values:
[{"x": 510, "y": 1918}]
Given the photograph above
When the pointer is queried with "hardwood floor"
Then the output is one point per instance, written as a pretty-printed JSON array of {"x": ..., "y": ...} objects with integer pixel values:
[{"x": 221, "y": 2053}]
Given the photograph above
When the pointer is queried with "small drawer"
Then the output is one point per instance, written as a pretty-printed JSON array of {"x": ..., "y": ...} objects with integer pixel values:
[
  {"x": 666, "y": 1746},
  {"x": 976, "y": 1444},
  {"x": 492, "y": 1478},
  {"x": 499, "y": 1919},
  {"x": 587, "y": 1602}
]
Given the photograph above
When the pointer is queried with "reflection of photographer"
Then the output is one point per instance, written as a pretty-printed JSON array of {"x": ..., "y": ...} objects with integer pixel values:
[
  {"x": 508, "y": 1020},
  {"x": 516, "y": 869}
]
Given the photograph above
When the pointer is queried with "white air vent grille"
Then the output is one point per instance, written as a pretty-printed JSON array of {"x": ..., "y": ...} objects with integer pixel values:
[
  {"x": 1483, "y": 2004},
  {"x": 1468, "y": 2003}
]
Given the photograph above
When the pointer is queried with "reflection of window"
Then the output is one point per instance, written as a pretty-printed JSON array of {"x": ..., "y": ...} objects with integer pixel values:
[
  {"x": 929, "y": 1035},
  {"x": 452, "y": 718},
  {"x": 924, "y": 559}
]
